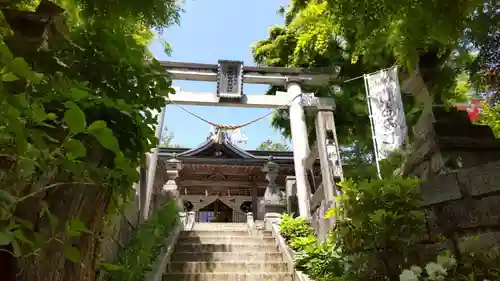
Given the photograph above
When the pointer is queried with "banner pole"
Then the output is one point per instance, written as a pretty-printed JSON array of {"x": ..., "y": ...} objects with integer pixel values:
[{"x": 375, "y": 147}]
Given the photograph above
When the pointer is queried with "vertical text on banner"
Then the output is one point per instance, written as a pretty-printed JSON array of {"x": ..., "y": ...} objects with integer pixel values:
[{"x": 387, "y": 111}]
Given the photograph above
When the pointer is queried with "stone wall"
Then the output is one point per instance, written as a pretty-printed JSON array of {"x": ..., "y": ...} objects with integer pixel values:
[
  {"x": 445, "y": 140},
  {"x": 120, "y": 231},
  {"x": 462, "y": 207},
  {"x": 462, "y": 204}
]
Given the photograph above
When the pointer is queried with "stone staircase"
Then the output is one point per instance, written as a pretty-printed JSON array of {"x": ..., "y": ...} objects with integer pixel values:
[{"x": 226, "y": 252}]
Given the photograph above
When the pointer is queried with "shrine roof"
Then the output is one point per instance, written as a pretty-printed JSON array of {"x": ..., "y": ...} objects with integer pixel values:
[{"x": 220, "y": 149}]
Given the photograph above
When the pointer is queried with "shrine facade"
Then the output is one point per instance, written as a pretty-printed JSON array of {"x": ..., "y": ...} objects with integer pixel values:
[{"x": 222, "y": 182}]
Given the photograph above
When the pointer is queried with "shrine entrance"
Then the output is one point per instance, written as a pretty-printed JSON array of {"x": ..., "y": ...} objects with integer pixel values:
[
  {"x": 219, "y": 167},
  {"x": 217, "y": 211}
]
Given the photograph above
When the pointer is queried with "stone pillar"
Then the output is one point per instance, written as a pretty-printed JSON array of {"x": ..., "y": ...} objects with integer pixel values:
[
  {"x": 291, "y": 196},
  {"x": 329, "y": 155},
  {"x": 255, "y": 201},
  {"x": 152, "y": 159},
  {"x": 300, "y": 147},
  {"x": 274, "y": 204},
  {"x": 171, "y": 190}
]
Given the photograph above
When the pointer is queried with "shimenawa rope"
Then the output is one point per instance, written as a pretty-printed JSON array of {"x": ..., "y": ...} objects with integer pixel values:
[{"x": 231, "y": 127}]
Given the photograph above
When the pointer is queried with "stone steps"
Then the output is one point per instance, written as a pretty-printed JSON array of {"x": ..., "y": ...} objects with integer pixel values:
[
  {"x": 243, "y": 248},
  {"x": 224, "y": 276},
  {"x": 227, "y": 256},
  {"x": 222, "y": 233},
  {"x": 226, "y": 252},
  {"x": 221, "y": 226},
  {"x": 227, "y": 267},
  {"x": 242, "y": 240}
]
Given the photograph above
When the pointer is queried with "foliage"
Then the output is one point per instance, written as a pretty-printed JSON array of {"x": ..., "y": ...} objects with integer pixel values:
[
  {"x": 490, "y": 116},
  {"x": 434, "y": 271},
  {"x": 148, "y": 241},
  {"x": 377, "y": 217},
  {"x": 318, "y": 260},
  {"x": 381, "y": 215},
  {"x": 359, "y": 163},
  {"x": 476, "y": 265},
  {"x": 353, "y": 38},
  {"x": 322, "y": 261},
  {"x": 74, "y": 125},
  {"x": 484, "y": 37},
  {"x": 291, "y": 228},
  {"x": 270, "y": 145},
  {"x": 29, "y": 151}
]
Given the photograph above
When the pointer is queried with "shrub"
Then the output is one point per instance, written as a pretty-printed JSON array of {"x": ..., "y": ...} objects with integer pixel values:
[
  {"x": 138, "y": 257},
  {"x": 376, "y": 219},
  {"x": 291, "y": 228}
]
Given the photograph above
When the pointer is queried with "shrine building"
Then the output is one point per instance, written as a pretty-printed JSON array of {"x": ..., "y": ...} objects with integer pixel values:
[{"x": 222, "y": 182}]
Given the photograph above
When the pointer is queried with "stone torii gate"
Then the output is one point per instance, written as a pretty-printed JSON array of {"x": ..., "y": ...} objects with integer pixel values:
[{"x": 230, "y": 77}]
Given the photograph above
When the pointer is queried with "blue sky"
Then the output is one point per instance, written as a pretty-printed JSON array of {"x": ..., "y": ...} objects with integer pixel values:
[{"x": 212, "y": 30}]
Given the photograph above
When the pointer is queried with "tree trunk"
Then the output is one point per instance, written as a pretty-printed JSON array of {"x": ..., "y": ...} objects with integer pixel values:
[{"x": 84, "y": 202}]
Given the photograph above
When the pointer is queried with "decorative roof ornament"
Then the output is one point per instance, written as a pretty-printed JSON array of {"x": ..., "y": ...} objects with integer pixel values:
[{"x": 237, "y": 137}]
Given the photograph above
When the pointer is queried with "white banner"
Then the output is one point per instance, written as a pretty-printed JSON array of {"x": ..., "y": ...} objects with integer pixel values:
[{"x": 388, "y": 117}]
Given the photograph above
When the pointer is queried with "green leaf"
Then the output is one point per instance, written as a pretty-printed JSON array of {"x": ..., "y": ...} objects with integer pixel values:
[
  {"x": 5, "y": 53},
  {"x": 5, "y": 238},
  {"x": 171, "y": 91},
  {"x": 53, "y": 220},
  {"x": 38, "y": 112},
  {"x": 7, "y": 196},
  {"x": 9, "y": 77},
  {"x": 104, "y": 135},
  {"x": 75, "y": 149},
  {"x": 16, "y": 250},
  {"x": 78, "y": 94},
  {"x": 76, "y": 227},
  {"x": 74, "y": 118},
  {"x": 73, "y": 254},
  {"x": 110, "y": 267},
  {"x": 21, "y": 67},
  {"x": 20, "y": 236},
  {"x": 96, "y": 126}
]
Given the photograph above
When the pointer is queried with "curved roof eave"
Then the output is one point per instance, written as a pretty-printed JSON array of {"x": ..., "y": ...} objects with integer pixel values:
[
  {"x": 193, "y": 151},
  {"x": 211, "y": 142},
  {"x": 237, "y": 150}
]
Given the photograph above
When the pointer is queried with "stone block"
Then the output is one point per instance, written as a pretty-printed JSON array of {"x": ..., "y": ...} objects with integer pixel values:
[
  {"x": 471, "y": 213},
  {"x": 429, "y": 252},
  {"x": 432, "y": 227},
  {"x": 436, "y": 162},
  {"x": 480, "y": 180},
  {"x": 480, "y": 241},
  {"x": 440, "y": 189}
]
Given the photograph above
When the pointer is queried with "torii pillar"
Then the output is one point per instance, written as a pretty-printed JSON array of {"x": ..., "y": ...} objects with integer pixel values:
[
  {"x": 300, "y": 141},
  {"x": 300, "y": 145}
]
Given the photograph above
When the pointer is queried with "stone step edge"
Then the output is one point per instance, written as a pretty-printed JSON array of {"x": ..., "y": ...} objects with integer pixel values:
[
  {"x": 222, "y": 253},
  {"x": 259, "y": 242},
  {"x": 227, "y": 262},
  {"x": 227, "y": 236},
  {"x": 249, "y": 235},
  {"x": 229, "y": 273},
  {"x": 226, "y": 242},
  {"x": 236, "y": 245}
]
